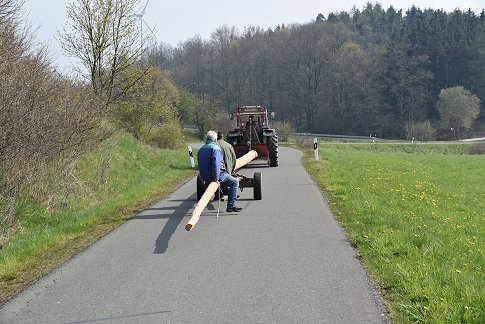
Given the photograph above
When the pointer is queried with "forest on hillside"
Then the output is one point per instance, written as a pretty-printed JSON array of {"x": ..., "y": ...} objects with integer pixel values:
[{"x": 371, "y": 71}]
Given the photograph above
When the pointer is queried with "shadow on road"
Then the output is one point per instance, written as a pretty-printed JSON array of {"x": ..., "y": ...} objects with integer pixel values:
[
  {"x": 106, "y": 319},
  {"x": 173, "y": 220},
  {"x": 174, "y": 216}
]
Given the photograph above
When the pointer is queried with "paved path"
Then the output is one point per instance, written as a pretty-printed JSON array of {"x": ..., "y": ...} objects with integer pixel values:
[{"x": 284, "y": 259}]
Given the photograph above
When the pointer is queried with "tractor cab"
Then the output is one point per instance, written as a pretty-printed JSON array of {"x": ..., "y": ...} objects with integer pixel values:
[{"x": 253, "y": 132}]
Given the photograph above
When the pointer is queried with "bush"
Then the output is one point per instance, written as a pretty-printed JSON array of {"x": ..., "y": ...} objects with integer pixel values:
[
  {"x": 421, "y": 131},
  {"x": 152, "y": 99},
  {"x": 477, "y": 148},
  {"x": 304, "y": 141},
  {"x": 46, "y": 122},
  {"x": 168, "y": 135},
  {"x": 223, "y": 123},
  {"x": 284, "y": 129}
]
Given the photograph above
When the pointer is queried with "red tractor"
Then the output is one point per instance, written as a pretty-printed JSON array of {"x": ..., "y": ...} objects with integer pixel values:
[{"x": 254, "y": 133}]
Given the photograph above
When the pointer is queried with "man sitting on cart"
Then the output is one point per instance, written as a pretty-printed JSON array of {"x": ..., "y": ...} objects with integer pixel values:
[{"x": 212, "y": 168}]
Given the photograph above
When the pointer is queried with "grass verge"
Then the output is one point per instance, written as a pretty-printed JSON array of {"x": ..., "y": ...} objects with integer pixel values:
[
  {"x": 112, "y": 184},
  {"x": 417, "y": 221}
]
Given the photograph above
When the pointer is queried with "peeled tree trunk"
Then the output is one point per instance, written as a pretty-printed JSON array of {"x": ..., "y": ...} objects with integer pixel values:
[{"x": 212, "y": 188}]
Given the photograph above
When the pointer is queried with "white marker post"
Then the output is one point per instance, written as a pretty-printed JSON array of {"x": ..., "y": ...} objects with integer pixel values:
[
  {"x": 191, "y": 157},
  {"x": 315, "y": 148}
]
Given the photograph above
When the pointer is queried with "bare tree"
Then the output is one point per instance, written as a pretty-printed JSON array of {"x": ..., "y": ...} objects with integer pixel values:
[
  {"x": 221, "y": 41},
  {"x": 8, "y": 8},
  {"x": 103, "y": 35},
  {"x": 191, "y": 61}
]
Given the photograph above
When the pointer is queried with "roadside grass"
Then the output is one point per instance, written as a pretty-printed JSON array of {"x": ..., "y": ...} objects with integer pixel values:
[
  {"x": 113, "y": 183},
  {"x": 418, "y": 222},
  {"x": 305, "y": 138},
  {"x": 421, "y": 148}
]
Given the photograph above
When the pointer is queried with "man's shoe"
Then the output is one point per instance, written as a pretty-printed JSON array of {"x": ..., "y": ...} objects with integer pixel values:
[{"x": 233, "y": 209}]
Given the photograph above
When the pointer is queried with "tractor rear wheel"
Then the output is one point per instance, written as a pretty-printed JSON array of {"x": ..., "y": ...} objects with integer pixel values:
[
  {"x": 273, "y": 151},
  {"x": 200, "y": 187},
  {"x": 258, "y": 190}
]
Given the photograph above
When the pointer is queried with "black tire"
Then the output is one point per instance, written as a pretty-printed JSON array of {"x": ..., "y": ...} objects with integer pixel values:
[
  {"x": 200, "y": 187},
  {"x": 258, "y": 189},
  {"x": 273, "y": 151}
]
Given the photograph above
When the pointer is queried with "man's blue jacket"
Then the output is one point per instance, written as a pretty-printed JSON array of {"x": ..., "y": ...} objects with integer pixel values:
[{"x": 210, "y": 162}]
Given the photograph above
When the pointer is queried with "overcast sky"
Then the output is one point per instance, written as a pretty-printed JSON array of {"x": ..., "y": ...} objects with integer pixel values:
[{"x": 174, "y": 21}]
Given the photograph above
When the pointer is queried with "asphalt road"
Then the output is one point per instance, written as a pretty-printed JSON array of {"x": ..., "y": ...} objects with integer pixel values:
[{"x": 283, "y": 259}]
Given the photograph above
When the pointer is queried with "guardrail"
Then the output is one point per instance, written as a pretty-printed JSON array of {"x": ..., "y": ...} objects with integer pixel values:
[{"x": 334, "y": 136}]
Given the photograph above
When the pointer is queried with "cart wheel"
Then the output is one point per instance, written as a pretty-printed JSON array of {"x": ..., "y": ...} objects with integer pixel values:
[
  {"x": 258, "y": 190},
  {"x": 200, "y": 187}
]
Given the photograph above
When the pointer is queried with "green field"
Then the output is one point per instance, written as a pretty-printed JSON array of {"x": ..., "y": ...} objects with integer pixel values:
[
  {"x": 417, "y": 217},
  {"x": 111, "y": 184}
]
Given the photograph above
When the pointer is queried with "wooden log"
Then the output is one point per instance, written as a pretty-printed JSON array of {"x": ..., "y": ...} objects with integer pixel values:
[
  {"x": 201, "y": 204},
  {"x": 212, "y": 188},
  {"x": 245, "y": 159}
]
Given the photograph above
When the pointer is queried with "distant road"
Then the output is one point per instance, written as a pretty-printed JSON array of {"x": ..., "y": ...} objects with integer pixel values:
[{"x": 283, "y": 259}]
